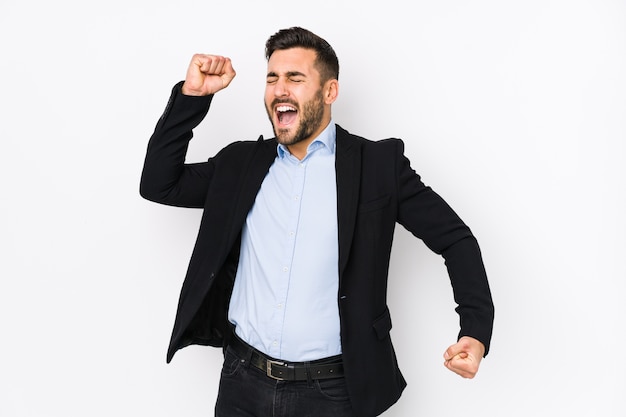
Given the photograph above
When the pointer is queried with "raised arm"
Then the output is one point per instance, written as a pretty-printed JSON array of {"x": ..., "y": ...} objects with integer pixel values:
[{"x": 166, "y": 178}]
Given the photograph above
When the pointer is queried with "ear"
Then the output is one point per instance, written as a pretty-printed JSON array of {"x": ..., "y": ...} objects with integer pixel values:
[{"x": 331, "y": 91}]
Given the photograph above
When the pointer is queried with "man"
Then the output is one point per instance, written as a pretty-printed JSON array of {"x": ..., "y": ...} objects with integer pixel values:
[{"x": 289, "y": 271}]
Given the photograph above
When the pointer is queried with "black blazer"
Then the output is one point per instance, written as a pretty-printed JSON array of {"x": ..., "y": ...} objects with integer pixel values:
[{"x": 376, "y": 188}]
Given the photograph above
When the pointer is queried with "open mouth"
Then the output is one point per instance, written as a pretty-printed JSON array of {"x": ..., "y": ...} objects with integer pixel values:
[{"x": 286, "y": 114}]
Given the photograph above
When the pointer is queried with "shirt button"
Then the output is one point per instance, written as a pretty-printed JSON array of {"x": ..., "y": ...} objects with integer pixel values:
[{"x": 285, "y": 269}]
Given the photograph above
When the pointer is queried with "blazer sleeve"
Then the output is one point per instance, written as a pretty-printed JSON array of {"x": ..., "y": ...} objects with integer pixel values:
[
  {"x": 166, "y": 178},
  {"x": 425, "y": 214}
]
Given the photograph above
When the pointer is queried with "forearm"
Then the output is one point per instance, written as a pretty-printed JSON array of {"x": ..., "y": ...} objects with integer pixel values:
[
  {"x": 166, "y": 178},
  {"x": 471, "y": 290}
]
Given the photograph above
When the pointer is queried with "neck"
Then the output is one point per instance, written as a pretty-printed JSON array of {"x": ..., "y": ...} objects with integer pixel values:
[{"x": 299, "y": 149}]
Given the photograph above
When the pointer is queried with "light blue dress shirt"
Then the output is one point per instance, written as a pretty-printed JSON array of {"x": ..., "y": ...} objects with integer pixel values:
[{"x": 284, "y": 301}]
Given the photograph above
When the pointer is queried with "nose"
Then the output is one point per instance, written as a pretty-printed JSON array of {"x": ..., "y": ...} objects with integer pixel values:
[{"x": 280, "y": 88}]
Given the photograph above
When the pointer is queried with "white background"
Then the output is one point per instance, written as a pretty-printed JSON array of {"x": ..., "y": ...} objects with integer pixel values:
[{"x": 514, "y": 111}]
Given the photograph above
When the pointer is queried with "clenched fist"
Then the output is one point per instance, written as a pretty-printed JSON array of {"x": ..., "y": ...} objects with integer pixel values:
[
  {"x": 463, "y": 358},
  {"x": 207, "y": 74}
]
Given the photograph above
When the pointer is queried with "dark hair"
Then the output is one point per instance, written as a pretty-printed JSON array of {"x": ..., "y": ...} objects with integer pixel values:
[{"x": 296, "y": 37}]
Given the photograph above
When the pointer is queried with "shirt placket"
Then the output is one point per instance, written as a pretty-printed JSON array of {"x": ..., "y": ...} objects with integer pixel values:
[{"x": 296, "y": 171}]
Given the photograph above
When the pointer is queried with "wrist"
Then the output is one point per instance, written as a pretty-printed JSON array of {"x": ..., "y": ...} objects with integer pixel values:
[{"x": 190, "y": 91}]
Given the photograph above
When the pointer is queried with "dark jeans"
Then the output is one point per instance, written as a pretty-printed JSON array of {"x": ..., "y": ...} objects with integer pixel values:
[{"x": 247, "y": 391}]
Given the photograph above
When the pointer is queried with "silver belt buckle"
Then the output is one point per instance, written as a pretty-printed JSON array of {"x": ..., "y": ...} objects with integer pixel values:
[{"x": 269, "y": 369}]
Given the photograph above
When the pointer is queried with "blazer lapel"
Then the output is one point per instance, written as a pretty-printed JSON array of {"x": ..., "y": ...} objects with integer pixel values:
[
  {"x": 257, "y": 167},
  {"x": 347, "y": 168}
]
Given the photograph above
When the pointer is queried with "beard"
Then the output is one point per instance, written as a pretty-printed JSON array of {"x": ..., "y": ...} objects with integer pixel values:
[{"x": 311, "y": 115}]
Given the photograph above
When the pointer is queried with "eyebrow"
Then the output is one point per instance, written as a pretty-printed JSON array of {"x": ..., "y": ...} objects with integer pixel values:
[{"x": 288, "y": 74}]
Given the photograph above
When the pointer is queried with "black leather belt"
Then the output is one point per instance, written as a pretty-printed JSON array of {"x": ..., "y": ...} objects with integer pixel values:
[{"x": 288, "y": 371}]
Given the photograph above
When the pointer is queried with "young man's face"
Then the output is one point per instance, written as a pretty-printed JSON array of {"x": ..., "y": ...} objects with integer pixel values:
[{"x": 294, "y": 98}]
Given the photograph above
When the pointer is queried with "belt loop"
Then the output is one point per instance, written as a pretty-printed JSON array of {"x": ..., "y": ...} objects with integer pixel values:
[
  {"x": 307, "y": 372},
  {"x": 248, "y": 357}
]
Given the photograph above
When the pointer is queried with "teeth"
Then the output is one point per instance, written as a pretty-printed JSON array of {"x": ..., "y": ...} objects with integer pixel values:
[{"x": 285, "y": 108}]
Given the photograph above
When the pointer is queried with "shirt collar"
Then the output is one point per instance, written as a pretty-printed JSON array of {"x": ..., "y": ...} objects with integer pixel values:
[{"x": 326, "y": 139}]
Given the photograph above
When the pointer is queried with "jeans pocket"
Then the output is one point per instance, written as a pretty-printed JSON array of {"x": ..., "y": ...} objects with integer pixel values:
[
  {"x": 232, "y": 363},
  {"x": 333, "y": 388}
]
